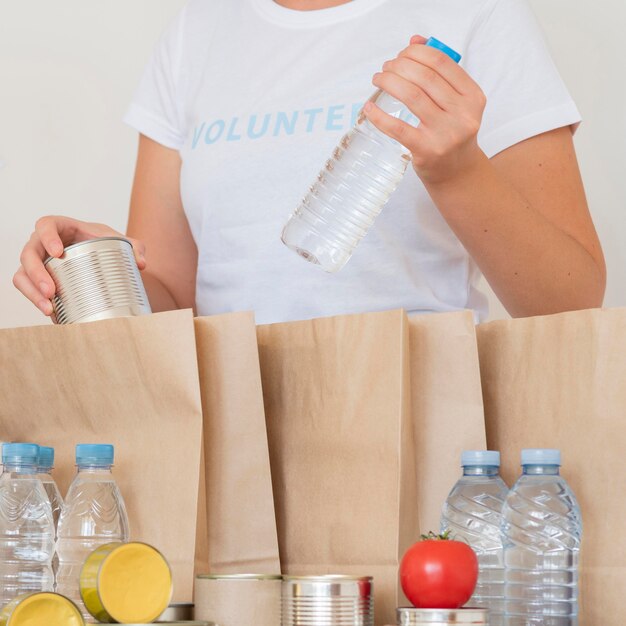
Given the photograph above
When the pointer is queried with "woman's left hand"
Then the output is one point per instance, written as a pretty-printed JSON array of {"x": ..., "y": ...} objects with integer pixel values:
[{"x": 448, "y": 103}]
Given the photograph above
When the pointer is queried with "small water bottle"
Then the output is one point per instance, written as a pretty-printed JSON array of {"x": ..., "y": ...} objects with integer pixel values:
[
  {"x": 93, "y": 514},
  {"x": 45, "y": 466},
  {"x": 473, "y": 513},
  {"x": 352, "y": 188},
  {"x": 26, "y": 525},
  {"x": 541, "y": 530}
]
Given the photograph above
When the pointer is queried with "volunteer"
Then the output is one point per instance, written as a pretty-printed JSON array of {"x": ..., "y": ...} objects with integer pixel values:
[{"x": 244, "y": 100}]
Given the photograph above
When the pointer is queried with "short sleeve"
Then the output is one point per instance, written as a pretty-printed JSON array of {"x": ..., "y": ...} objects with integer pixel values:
[
  {"x": 156, "y": 109},
  {"x": 508, "y": 57}
]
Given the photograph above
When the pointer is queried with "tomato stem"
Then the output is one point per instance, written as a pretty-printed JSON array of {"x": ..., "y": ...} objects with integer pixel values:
[{"x": 432, "y": 536}]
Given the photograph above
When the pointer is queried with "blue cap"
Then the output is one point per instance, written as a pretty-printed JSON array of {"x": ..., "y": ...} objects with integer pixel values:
[
  {"x": 435, "y": 43},
  {"x": 480, "y": 457},
  {"x": 94, "y": 454},
  {"x": 46, "y": 457},
  {"x": 541, "y": 456},
  {"x": 26, "y": 453}
]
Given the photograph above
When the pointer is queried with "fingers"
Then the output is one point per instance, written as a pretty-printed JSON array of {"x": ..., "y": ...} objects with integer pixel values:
[
  {"x": 48, "y": 229},
  {"x": 25, "y": 285},
  {"x": 393, "y": 127},
  {"x": 32, "y": 263},
  {"x": 139, "y": 249},
  {"x": 432, "y": 83},
  {"x": 443, "y": 65}
]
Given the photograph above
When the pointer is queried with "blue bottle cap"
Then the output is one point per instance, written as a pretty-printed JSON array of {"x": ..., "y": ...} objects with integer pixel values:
[
  {"x": 480, "y": 457},
  {"x": 541, "y": 456},
  {"x": 26, "y": 453},
  {"x": 435, "y": 43},
  {"x": 46, "y": 457},
  {"x": 94, "y": 454}
]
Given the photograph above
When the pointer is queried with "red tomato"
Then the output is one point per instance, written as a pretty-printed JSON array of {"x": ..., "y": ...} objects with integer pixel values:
[{"x": 439, "y": 573}]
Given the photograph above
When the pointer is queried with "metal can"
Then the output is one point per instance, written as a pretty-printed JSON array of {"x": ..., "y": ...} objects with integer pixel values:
[
  {"x": 96, "y": 280},
  {"x": 41, "y": 609},
  {"x": 327, "y": 601},
  {"x": 238, "y": 599},
  {"x": 177, "y": 612},
  {"x": 126, "y": 582},
  {"x": 442, "y": 617}
]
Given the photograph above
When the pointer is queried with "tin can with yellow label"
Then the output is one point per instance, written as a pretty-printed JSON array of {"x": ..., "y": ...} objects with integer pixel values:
[
  {"x": 41, "y": 609},
  {"x": 126, "y": 583}
]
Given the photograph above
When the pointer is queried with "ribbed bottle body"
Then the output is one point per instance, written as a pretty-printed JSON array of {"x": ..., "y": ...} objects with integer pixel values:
[{"x": 542, "y": 530}]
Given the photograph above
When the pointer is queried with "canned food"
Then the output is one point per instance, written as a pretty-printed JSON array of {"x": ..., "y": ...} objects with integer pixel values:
[
  {"x": 442, "y": 617},
  {"x": 177, "y": 612},
  {"x": 95, "y": 280},
  {"x": 41, "y": 609},
  {"x": 126, "y": 582},
  {"x": 327, "y": 601},
  {"x": 238, "y": 599}
]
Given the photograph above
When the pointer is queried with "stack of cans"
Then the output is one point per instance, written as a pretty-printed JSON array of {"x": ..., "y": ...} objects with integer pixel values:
[
  {"x": 443, "y": 617},
  {"x": 327, "y": 601}
]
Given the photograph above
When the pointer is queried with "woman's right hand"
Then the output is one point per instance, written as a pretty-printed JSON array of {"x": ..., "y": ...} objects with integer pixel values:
[{"x": 51, "y": 235}]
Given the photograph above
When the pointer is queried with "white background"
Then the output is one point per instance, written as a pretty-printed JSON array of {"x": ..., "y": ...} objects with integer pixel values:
[{"x": 68, "y": 70}]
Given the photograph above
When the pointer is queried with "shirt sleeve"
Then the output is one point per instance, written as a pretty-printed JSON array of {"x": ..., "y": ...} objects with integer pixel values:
[
  {"x": 508, "y": 57},
  {"x": 156, "y": 109}
]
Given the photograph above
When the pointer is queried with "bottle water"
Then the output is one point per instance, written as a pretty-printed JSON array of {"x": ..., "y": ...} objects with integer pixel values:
[
  {"x": 26, "y": 525},
  {"x": 45, "y": 466},
  {"x": 473, "y": 513},
  {"x": 93, "y": 514},
  {"x": 352, "y": 188},
  {"x": 542, "y": 530}
]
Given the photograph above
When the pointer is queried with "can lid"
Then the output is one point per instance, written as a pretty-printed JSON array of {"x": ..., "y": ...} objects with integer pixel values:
[
  {"x": 114, "y": 584},
  {"x": 239, "y": 577},
  {"x": 42, "y": 609},
  {"x": 435, "y": 43},
  {"x": 26, "y": 453},
  {"x": 328, "y": 578},
  {"x": 46, "y": 457},
  {"x": 541, "y": 456},
  {"x": 94, "y": 454},
  {"x": 83, "y": 243},
  {"x": 480, "y": 457}
]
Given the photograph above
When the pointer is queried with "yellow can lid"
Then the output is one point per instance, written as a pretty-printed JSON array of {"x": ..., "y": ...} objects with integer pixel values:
[
  {"x": 41, "y": 609},
  {"x": 134, "y": 583}
]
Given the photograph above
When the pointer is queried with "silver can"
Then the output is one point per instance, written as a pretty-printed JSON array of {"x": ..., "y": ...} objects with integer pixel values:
[
  {"x": 442, "y": 617},
  {"x": 96, "y": 280},
  {"x": 330, "y": 600}
]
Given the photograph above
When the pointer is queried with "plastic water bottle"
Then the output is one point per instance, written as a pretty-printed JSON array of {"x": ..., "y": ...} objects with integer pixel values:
[
  {"x": 26, "y": 525},
  {"x": 542, "y": 530},
  {"x": 93, "y": 514},
  {"x": 45, "y": 466},
  {"x": 473, "y": 513},
  {"x": 352, "y": 188}
]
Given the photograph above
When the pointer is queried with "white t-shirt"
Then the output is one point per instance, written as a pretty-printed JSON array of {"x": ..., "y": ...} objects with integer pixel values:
[{"x": 256, "y": 96}]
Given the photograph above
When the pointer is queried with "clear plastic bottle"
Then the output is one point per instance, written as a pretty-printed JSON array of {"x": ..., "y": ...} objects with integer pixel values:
[
  {"x": 93, "y": 514},
  {"x": 473, "y": 513},
  {"x": 542, "y": 529},
  {"x": 352, "y": 188},
  {"x": 45, "y": 466},
  {"x": 26, "y": 525}
]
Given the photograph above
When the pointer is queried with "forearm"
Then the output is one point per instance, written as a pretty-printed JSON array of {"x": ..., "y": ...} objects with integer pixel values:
[
  {"x": 534, "y": 267},
  {"x": 159, "y": 296}
]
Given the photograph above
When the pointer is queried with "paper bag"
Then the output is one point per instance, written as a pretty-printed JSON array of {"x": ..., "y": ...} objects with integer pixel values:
[
  {"x": 447, "y": 405},
  {"x": 346, "y": 449},
  {"x": 560, "y": 382},
  {"x": 238, "y": 502},
  {"x": 132, "y": 382}
]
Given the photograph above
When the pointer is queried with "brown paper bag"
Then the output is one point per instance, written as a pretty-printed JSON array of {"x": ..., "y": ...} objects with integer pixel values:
[
  {"x": 447, "y": 405},
  {"x": 346, "y": 449},
  {"x": 132, "y": 382},
  {"x": 560, "y": 382},
  {"x": 238, "y": 501}
]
